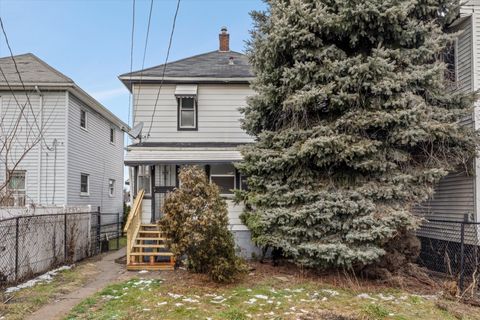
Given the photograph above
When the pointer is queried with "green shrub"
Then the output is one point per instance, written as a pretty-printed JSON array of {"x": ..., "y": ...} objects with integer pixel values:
[{"x": 196, "y": 222}]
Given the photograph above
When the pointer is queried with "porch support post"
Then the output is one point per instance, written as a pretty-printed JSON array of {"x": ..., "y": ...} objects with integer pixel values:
[{"x": 152, "y": 178}]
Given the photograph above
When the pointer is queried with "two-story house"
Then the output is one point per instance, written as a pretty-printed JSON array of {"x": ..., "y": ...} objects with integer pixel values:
[
  {"x": 457, "y": 196},
  {"x": 59, "y": 146},
  {"x": 190, "y": 111}
]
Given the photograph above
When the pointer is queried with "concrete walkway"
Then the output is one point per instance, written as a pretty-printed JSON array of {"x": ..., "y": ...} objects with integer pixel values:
[{"x": 109, "y": 271}]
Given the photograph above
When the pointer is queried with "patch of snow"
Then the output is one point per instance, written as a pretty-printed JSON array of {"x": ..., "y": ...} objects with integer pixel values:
[
  {"x": 251, "y": 301},
  {"x": 332, "y": 293},
  {"x": 261, "y": 296},
  {"x": 174, "y": 295},
  {"x": 146, "y": 309},
  {"x": 365, "y": 296},
  {"x": 178, "y": 304},
  {"x": 143, "y": 271},
  {"x": 44, "y": 278},
  {"x": 162, "y": 303},
  {"x": 385, "y": 298},
  {"x": 190, "y": 300}
]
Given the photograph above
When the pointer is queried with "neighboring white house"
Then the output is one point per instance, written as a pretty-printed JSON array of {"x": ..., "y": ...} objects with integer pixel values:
[
  {"x": 78, "y": 159},
  {"x": 458, "y": 194},
  {"x": 194, "y": 119}
]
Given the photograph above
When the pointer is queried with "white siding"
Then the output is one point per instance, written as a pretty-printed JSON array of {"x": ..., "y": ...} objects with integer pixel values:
[
  {"x": 454, "y": 195},
  {"x": 90, "y": 152},
  {"x": 218, "y": 114},
  {"x": 45, "y": 163}
]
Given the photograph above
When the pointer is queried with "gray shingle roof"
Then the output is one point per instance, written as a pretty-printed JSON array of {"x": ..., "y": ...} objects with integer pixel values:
[
  {"x": 213, "y": 64},
  {"x": 32, "y": 69}
]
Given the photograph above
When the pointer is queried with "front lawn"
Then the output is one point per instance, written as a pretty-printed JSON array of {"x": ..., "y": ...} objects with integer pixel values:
[
  {"x": 262, "y": 295},
  {"x": 19, "y": 304}
]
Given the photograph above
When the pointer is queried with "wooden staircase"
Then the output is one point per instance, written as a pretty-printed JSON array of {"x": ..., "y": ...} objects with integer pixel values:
[{"x": 146, "y": 245}]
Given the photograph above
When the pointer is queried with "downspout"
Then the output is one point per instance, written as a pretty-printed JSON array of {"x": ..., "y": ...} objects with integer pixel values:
[{"x": 40, "y": 148}]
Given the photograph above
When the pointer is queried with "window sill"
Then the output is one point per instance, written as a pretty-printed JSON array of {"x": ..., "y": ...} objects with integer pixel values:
[
  {"x": 187, "y": 129},
  {"x": 84, "y": 194},
  {"x": 84, "y": 129}
]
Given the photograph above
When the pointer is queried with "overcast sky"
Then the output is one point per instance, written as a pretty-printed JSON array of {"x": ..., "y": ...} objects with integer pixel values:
[{"x": 89, "y": 40}]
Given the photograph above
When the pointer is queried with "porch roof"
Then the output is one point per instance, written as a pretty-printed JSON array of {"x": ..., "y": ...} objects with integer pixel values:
[{"x": 138, "y": 156}]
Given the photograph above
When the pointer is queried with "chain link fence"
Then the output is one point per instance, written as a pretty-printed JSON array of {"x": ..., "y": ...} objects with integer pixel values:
[
  {"x": 34, "y": 244},
  {"x": 453, "y": 249}
]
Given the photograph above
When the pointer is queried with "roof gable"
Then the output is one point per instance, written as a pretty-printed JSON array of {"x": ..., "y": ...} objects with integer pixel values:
[{"x": 33, "y": 70}]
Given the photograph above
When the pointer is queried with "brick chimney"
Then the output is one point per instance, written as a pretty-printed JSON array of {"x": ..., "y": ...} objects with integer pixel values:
[{"x": 224, "y": 38}]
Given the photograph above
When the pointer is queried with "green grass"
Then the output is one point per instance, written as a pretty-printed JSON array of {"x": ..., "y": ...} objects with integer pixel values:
[
  {"x": 267, "y": 299},
  {"x": 26, "y": 301}
]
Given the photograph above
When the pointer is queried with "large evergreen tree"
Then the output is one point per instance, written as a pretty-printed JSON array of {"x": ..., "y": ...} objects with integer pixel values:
[{"x": 355, "y": 122}]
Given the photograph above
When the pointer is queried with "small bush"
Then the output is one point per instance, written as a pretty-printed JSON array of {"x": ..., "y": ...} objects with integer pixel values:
[{"x": 196, "y": 222}]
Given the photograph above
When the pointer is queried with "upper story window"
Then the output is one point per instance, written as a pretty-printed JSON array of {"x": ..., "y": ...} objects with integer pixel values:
[
  {"x": 187, "y": 113},
  {"x": 450, "y": 59},
  {"x": 112, "y": 135},
  {"x": 187, "y": 106},
  {"x": 84, "y": 184},
  {"x": 83, "y": 119}
]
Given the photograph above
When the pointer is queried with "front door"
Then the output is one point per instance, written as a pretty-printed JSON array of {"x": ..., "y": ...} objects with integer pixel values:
[{"x": 164, "y": 181}]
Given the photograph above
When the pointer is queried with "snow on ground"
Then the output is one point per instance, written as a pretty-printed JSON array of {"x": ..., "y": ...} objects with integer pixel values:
[{"x": 44, "y": 278}]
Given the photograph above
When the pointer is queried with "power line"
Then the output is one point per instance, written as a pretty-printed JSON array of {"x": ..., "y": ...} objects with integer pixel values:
[
  {"x": 131, "y": 59},
  {"x": 144, "y": 49},
  {"x": 164, "y": 66},
  {"x": 40, "y": 130}
]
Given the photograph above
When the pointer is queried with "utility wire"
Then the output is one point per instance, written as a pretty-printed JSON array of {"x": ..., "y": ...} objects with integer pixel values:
[
  {"x": 40, "y": 130},
  {"x": 131, "y": 60},
  {"x": 144, "y": 52},
  {"x": 164, "y": 67}
]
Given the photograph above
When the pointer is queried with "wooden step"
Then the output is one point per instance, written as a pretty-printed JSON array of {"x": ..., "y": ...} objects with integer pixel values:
[
  {"x": 150, "y": 225},
  {"x": 147, "y": 254},
  {"x": 149, "y": 246},
  {"x": 149, "y": 231},
  {"x": 155, "y": 267},
  {"x": 151, "y": 239}
]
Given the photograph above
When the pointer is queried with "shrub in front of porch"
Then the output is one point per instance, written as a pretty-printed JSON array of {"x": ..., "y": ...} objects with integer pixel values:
[{"x": 196, "y": 222}]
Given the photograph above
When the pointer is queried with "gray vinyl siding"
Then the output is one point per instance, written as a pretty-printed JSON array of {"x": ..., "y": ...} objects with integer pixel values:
[
  {"x": 218, "y": 113},
  {"x": 90, "y": 152},
  {"x": 454, "y": 196},
  {"x": 45, "y": 163}
]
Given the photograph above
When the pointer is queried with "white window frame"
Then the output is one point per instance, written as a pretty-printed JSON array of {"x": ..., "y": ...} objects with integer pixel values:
[
  {"x": 112, "y": 135},
  {"x": 111, "y": 187},
  {"x": 83, "y": 111},
  {"x": 82, "y": 193},
  {"x": 226, "y": 195},
  {"x": 194, "y": 110},
  {"x": 19, "y": 195}
]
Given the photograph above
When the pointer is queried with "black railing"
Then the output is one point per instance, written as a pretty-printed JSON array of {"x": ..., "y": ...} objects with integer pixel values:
[{"x": 452, "y": 248}]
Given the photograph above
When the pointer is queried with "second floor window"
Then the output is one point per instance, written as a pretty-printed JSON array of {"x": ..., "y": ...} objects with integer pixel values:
[
  {"x": 187, "y": 113},
  {"x": 83, "y": 119},
  {"x": 112, "y": 135}
]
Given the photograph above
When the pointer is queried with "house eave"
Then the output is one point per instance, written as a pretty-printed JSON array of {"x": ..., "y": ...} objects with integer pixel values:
[{"x": 128, "y": 81}]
